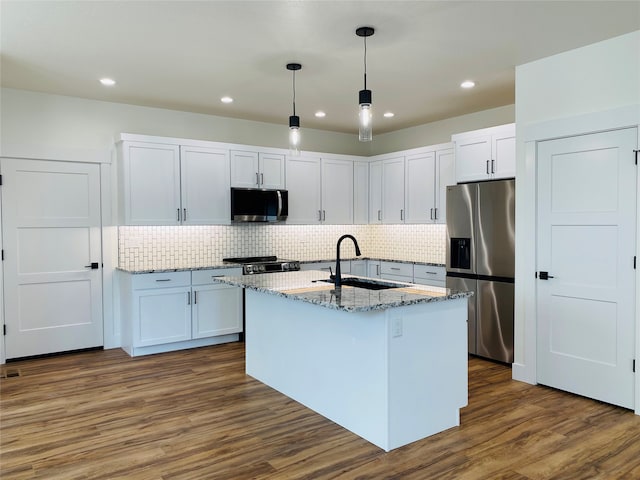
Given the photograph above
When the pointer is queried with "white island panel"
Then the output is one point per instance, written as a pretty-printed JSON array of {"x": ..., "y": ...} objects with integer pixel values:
[{"x": 391, "y": 376}]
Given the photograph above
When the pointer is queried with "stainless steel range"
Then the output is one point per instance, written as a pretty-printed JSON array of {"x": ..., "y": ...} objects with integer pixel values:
[{"x": 268, "y": 264}]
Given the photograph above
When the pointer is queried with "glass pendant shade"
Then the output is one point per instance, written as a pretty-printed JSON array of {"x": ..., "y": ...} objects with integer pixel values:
[
  {"x": 365, "y": 133},
  {"x": 294, "y": 135}
]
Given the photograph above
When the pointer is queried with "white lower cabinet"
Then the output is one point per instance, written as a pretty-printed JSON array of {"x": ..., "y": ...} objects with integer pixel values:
[
  {"x": 401, "y": 272},
  {"x": 429, "y": 275},
  {"x": 359, "y": 267},
  {"x": 163, "y": 312}
]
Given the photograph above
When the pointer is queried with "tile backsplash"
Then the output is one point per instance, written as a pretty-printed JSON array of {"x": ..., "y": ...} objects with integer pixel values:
[{"x": 154, "y": 248}]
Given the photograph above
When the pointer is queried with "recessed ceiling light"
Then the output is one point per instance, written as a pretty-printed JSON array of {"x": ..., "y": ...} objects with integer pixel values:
[
  {"x": 320, "y": 114},
  {"x": 226, "y": 100},
  {"x": 388, "y": 114},
  {"x": 107, "y": 82},
  {"x": 468, "y": 84}
]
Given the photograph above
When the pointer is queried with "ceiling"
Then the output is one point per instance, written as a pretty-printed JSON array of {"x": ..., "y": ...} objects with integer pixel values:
[{"x": 185, "y": 55}]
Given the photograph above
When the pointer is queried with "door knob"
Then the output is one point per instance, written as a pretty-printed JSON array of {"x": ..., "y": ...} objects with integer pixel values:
[
  {"x": 93, "y": 266},
  {"x": 545, "y": 276}
]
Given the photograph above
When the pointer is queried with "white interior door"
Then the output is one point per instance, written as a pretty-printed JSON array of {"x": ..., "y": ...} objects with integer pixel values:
[
  {"x": 51, "y": 229},
  {"x": 586, "y": 243}
]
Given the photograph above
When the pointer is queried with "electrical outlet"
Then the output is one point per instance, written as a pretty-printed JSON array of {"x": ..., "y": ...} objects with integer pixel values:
[{"x": 396, "y": 327}]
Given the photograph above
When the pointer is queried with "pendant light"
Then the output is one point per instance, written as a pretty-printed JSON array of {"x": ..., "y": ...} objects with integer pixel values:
[
  {"x": 365, "y": 131},
  {"x": 294, "y": 120}
]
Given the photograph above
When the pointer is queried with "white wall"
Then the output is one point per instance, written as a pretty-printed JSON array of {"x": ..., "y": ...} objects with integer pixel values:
[
  {"x": 440, "y": 132},
  {"x": 37, "y": 121},
  {"x": 597, "y": 86}
]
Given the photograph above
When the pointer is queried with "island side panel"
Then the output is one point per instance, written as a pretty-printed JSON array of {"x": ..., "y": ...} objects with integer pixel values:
[
  {"x": 331, "y": 361},
  {"x": 428, "y": 365}
]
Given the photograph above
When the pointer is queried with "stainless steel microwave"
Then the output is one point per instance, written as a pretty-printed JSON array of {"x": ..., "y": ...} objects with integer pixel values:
[{"x": 259, "y": 205}]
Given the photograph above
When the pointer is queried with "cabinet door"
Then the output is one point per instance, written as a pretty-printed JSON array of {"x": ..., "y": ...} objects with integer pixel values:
[
  {"x": 393, "y": 190},
  {"x": 373, "y": 269},
  {"x": 244, "y": 169},
  {"x": 151, "y": 184},
  {"x": 271, "y": 169},
  {"x": 420, "y": 188},
  {"x": 375, "y": 192},
  {"x": 445, "y": 175},
  {"x": 164, "y": 316},
  {"x": 217, "y": 310},
  {"x": 473, "y": 158},
  {"x": 303, "y": 184},
  {"x": 205, "y": 186},
  {"x": 358, "y": 267},
  {"x": 504, "y": 155},
  {"x": 337, "y": 192},
  {"x": 360, "y": 193}
]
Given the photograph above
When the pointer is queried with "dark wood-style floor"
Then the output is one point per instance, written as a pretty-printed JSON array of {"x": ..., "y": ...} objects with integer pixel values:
[{"x": 195, "y": 415}]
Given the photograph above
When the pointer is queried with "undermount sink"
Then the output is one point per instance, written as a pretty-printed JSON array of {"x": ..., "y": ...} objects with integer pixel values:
[{"x": 367, "y": 284}]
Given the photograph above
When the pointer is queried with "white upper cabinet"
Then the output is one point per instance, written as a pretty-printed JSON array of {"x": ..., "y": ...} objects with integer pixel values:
[
  {"x": 360, "y": 192},
  {"x": 337, "y": 191},
  {"x": 420, "y": 187},
  {"x": 150, "y": 183},
  {"x": 303, "y": 180},
  {"x": 375, "y": 192},
  {"x": 485, "y": 154},
  {"x": 257, "y": 170},
  {"x": 445, "y": 175},
  {"x": 393, "y": 209},
  {"x": 172, "y": 185},
  {"x": 204, "y": 176}
]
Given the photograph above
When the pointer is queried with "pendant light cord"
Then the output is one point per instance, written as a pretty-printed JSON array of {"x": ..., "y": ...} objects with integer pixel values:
[
  {"x": 365, "y": 62},
  {"x": 294, "y": 93}
]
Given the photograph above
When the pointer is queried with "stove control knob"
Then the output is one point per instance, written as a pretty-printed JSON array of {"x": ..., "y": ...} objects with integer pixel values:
[
  {"x": 261, "y": 268},
  {"x": 285, "y": 267},
  {"x": 248, "y": 269}
]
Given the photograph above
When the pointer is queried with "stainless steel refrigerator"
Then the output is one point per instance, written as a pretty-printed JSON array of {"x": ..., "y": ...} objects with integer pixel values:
[{"x": 481, "y": 258}]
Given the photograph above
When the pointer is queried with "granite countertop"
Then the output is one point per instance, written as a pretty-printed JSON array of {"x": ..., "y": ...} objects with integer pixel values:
[
  {"x": 307, "y": 286},
  {"x": 181, "y": 269},
  {"x": 374, "y": 259}
]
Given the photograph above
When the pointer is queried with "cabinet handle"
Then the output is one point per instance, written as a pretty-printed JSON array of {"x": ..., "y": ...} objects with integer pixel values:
[
  {"x": 178, "y": 219},
  {"x": 401, "y": 214},
  {"x": 431, "y": 273},
  {"x": 435, "y": 213},
  {"x": 324, "y": 215},
  {"x": 163, "y": 280},
  {"x": 487, "y": 167},
  {"x": 493, "y": 162},
  {"x": 195, "y": 297},
  {"x": 395, "y": 268},
  {"x": 319, "y": 215},
  {"x": 262, "y": 179},
  {"x": 257, "y": 179},
  {"x": 377, "y": 269},
  {"x": 431, "y": 214},
  {"x": 216, "y": 276},
  {"x": 380, "y": 215},
  {"x": 188, "y": 298},
  {"x": 184, "y": 217}
]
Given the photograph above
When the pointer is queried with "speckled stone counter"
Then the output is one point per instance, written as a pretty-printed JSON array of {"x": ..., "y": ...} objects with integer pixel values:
[
  {"x": 308, "y": 286},
  {"x": 216, "y": 266}
]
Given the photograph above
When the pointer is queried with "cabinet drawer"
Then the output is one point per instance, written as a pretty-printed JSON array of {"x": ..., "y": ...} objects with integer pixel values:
[
  {"x": 428, "y": 272},
  {"x": 204, "y": 277},
  {"x": 393, "y": 268},
  {"x": 161, "y": 280}
]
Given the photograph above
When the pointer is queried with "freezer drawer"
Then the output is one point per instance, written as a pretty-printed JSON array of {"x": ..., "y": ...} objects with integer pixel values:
[
  {"x": 467, "y": 285},
  {"x": 494, "y": 337}
]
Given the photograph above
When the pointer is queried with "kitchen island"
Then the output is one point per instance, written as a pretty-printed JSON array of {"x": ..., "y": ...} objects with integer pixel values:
[{"x": 389, "y": 365}]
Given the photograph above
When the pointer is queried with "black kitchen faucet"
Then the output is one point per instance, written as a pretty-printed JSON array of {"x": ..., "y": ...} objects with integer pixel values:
[{"x": 338, "y": 277}]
